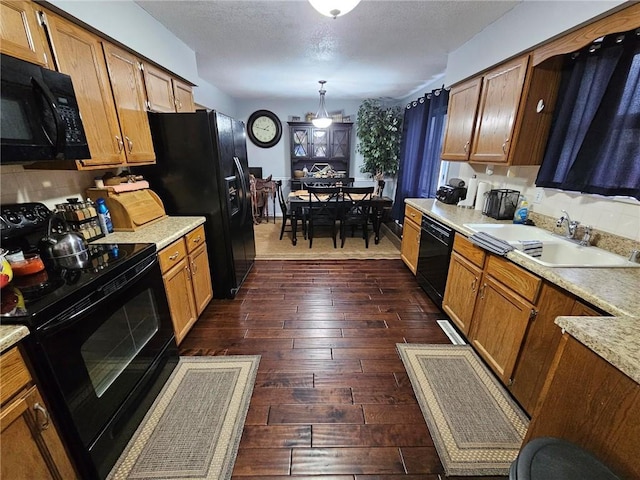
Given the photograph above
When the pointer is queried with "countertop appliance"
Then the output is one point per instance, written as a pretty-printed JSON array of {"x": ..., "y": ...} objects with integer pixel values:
[
  {"x": 101, "y": 340},
  {"x": 40, "y": 115},
  {"x": 202, "y": 169},
  {"x": 436, "y": 243},
  {"x": 452, "y": 192}
]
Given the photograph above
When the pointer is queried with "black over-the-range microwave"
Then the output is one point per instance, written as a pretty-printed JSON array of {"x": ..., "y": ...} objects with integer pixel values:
[{"x": 40, "y": 115}]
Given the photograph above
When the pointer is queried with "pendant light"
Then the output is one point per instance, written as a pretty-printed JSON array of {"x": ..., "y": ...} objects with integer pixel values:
[
  {"x": 322, "y": 120},
  {"x": 334, "y": 8}
]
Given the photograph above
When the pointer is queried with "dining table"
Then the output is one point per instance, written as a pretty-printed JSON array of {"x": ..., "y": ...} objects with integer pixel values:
[{"x": 298, "y": 199}]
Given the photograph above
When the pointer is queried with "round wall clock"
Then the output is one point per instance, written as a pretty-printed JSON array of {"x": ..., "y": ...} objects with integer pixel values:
[{"x": 264, "y": 128}]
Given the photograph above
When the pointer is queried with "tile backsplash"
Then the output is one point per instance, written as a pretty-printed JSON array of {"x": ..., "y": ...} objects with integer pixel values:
[
  {"x": 18, "y": 185},
  {"x": 619, "y": 217}
]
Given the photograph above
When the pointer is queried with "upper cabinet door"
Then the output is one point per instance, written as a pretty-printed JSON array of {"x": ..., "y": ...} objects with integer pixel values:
[
  {"x": 461, "y": 117},
  {"x": 20, "y": 34},
  {"x": 78, "y": 53},
  {"x": 183, "y": 94},
  {"x": 125, "y": 73},
  {"x": 499, "y": 101},
  {"x": 159, "y": 89}
]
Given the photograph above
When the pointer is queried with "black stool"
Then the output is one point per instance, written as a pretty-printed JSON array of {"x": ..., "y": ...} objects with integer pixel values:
[{"x": 548, "y": 458}]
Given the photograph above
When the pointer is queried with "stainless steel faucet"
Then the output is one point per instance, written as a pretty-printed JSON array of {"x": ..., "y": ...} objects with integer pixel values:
[{"x": 572, "y": 225}]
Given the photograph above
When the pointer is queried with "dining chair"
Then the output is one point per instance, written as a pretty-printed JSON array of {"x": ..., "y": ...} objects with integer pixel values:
[
  {"x": 286, "y": 211},
  {"x": 355, "y": 211},
  {"x": 323, "y": 210}
]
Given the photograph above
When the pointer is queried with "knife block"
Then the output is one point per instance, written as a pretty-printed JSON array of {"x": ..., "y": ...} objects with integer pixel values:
[{"x": 130, "y": 211}]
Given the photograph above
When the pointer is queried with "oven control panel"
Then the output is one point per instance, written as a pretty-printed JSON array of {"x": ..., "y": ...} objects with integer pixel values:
[{"x": 19, "y": 219}]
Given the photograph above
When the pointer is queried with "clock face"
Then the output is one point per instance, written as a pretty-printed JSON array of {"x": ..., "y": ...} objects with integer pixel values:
[{"x": 264, "y": 128}]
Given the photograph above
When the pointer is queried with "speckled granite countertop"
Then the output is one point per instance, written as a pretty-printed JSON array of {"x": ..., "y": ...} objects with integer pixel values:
[
  {"x": 162, "y": 232},
  {"x": 10, "y": 335},
  {"x": 613, "y": 290}
]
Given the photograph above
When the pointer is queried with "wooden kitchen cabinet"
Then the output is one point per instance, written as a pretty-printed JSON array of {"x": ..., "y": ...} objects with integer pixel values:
[
  {"x": 499, "y": 324},
  {"x": 200, "y": 273},
  {"x": 503, "y": 116},
  {"x": 31, "y": 445},
  {"x": 410, "y": 248},
  {"x": 20, "y": 33},
  {"x": 588, "y": 401},
  {"x": 541, "y": 342},
  {"x": 187, "y": 281},
  {"x": 500, "y": 96},
  {"x": 165, "y": 93},
  {"x": 463, "y": 282},
  {"x": 183, "y": 94},
  {"x": 461, "y": 119},
  {"x": 130, "y": 99}
]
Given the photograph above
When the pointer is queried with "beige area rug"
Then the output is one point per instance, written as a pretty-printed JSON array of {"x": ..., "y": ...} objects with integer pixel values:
[
  {"x": 194, "y": 427},
  {"x": 476, "y": 427},
  {"x": 270, "y": 247}
]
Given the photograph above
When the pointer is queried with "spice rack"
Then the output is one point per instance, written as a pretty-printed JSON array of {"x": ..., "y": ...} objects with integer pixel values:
[{"x": 82, "y": 218}]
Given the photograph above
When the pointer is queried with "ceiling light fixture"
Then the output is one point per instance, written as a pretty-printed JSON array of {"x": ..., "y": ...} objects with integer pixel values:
[
  {"x": 322, "y": 120},
  {"x": 334, "y": 8}
]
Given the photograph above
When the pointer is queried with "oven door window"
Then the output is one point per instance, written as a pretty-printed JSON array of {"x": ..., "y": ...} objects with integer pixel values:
[
  {"x": 99, "y": 356},
  {"x": 119, "y": 341}
]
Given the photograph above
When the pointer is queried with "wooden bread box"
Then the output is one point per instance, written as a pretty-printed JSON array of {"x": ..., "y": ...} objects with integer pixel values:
[{"x": 130, "y": 210}]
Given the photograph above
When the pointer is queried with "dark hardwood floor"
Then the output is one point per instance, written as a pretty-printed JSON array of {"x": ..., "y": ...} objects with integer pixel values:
[{"x": 332, "y": 399}]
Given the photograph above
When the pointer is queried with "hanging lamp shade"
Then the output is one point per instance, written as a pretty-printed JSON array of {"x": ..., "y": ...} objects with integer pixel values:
[
  {"x": 322, "y": 119},
  {"x": 334, "y": 8}
]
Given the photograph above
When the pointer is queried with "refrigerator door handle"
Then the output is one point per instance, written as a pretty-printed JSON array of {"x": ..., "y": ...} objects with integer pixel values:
[{"x": 245, "y": 193}]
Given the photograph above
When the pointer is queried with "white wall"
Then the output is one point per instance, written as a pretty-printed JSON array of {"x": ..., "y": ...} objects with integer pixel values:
[{"x": 125, "y": 20}]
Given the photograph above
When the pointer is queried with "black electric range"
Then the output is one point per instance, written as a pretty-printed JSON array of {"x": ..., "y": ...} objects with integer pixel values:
[
  {"x": 35, "y": 299},
  {"x": 32, "y": 299},
  {"x": 101, "y": 342}
]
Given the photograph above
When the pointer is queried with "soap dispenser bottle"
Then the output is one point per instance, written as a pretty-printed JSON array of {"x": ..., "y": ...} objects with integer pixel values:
[{"x": 522, "y": 211}]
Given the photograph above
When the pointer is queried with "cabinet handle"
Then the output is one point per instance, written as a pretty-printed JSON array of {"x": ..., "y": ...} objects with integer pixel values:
[
  {"x": 473, "y": 284},
  {"x": 540, "y": 106},
  {"x": 504, "y": 146},
  {"x": 45, "y": 421},
  {"x": 194, "y": 268},
  {"x": 466, "y": 147},
  {"x": 120, "y": 144},
  {"x": 174, "y": 256},
  {"x": 197, "y": 239},
  {"x": 188, "y": 271},
  {"x": 130, "y": 144},
  {"x": 484, "y": 285}
]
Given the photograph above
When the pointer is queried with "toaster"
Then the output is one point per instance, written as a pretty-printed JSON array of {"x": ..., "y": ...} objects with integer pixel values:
[{"x": 451, "y": 195}]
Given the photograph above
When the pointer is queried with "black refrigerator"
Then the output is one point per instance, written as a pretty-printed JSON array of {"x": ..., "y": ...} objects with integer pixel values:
[{"x": 201, "y": 169}]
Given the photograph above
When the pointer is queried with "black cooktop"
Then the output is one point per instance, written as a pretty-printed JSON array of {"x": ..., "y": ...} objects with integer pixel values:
[{"x": 33, "y": 299}]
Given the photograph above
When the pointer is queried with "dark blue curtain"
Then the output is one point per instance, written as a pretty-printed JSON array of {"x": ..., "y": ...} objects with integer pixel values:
[
  {"x": 420, "y": 149},
  {"x": 594, "y": 146}
]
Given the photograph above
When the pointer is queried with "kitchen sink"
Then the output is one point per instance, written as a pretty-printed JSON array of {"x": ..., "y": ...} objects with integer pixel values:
[
  {"x": 511, "y": 232},
  {"x": 556, "y": 251}
]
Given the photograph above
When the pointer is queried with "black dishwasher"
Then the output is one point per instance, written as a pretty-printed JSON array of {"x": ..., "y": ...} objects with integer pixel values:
[{"x": 436, "y": 242}]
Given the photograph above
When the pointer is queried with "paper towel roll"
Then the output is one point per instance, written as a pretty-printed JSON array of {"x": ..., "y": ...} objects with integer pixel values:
[
  {"x": 483, "y": 187},
  {"x": 472, "y": 187}
]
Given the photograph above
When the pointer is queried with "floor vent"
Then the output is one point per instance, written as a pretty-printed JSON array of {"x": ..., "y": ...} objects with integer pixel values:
[{"x": 451, "y": 332}]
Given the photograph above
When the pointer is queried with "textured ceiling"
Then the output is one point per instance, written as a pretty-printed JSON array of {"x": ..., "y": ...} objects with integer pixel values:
[{"x": 280, "y": 49}]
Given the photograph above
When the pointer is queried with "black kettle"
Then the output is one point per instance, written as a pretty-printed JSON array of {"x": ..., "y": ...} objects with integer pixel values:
[{"x": 65, "y": 249}]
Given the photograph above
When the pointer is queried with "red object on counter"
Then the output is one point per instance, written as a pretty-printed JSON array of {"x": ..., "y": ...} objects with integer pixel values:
[{"x": 31, "y": 264}]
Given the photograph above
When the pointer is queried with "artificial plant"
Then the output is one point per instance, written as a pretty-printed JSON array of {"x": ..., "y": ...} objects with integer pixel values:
[{"x": 379, "y": 129}]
